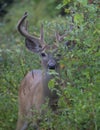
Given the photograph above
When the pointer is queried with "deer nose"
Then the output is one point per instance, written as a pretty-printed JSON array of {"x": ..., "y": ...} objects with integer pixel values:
[{"x": 51, "y": 64}]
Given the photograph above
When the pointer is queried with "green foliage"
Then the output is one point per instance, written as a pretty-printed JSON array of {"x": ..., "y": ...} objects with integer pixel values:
[
  {"x": 4, "y": 4},
  {"x": 78, "y": 87}
]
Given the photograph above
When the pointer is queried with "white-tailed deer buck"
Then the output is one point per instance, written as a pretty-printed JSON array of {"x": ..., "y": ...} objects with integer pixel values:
[{"x": 34, "y": 89}]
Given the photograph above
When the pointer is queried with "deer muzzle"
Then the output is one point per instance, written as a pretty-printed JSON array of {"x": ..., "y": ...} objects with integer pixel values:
[{"x": 51, "y": 64}]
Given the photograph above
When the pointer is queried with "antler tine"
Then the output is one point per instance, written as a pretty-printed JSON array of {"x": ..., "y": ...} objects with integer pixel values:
[
  {"x": 72, "y": 23},
  {"x": 57, "y": 36},
  {"x": 60, "y": 38},
  {"x": 42, "y": 33}
]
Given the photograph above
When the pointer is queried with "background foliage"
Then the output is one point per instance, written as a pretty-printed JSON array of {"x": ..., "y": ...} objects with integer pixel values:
[{"x": 79, "y": 91}]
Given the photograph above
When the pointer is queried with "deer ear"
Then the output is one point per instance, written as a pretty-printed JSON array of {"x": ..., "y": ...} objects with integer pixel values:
[{"x": 33, "y": 45}]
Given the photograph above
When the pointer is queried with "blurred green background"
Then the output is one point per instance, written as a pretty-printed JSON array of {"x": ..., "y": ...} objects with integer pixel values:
[{"x": 79, "y": 100}]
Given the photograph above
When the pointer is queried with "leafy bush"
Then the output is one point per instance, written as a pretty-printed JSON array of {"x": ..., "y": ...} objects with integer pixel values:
[{"x": 79, "y": 93}]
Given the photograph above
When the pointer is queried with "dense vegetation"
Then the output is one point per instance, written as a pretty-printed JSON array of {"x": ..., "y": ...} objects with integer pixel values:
[
  {"x": 4, "y": 5},
  {"x": 79, "y": 88}
]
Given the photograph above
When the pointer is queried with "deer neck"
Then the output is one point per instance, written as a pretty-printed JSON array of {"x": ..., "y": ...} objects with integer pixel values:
[{"x": 46, "y": 78}]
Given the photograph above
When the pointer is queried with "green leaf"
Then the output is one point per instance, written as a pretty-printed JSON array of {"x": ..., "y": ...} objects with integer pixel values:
[
  {"x": 83, "y": 2},
  {"x": 65, "y": 2},
  {"x": 51, "y": 84},
  {"x": 79, "y": 18},
  {"x": 59, "y": 6}
]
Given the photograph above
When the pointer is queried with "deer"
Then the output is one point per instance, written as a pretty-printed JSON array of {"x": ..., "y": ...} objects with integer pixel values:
[{"x": 34, "y": 89}]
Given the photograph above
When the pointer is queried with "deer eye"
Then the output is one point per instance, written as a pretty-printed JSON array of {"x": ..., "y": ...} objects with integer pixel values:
[{"x": 43, "y": 54}]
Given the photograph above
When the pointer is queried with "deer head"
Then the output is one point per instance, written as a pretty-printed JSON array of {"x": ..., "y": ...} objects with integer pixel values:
[{"x": 48, "y": 53}]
